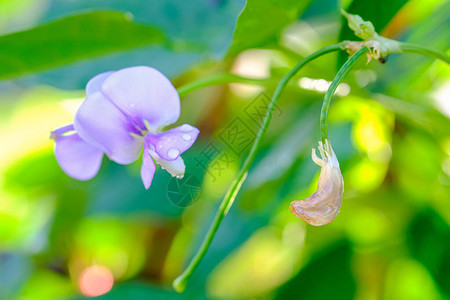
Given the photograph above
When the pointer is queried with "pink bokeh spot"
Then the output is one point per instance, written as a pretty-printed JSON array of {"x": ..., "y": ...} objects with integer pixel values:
[{"x": 95, "y": 280}]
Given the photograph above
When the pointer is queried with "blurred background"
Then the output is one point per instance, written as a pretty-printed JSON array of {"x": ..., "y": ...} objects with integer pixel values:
[{"x": 109, "y": 237}]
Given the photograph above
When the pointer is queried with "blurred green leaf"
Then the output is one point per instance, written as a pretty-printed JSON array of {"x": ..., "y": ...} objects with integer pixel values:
[
  {"x": 70, "y": 39},
  {"x": 428, "y": 238},
  {"x": 423, "y": 116},
  {"x": 409, "y": 71},
  {"x": 69, "y": 211},
  {"x": 328, "y": 276},
  {"x": 261, "y": 21},
  {"x": 37, "y": 288},
  {"x": 417, "y": 163},
  {"x": 39, "y": 170},
  {"x": 294, "y": 141}
]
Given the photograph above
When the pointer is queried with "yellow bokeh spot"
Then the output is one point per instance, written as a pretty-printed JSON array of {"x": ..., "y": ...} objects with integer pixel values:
[
  {"x": 366, "y": 175},
  {"x": 27, "y": 129},
  {"x": 219, "y": 175},
  {"x": 372, "y": 130}
]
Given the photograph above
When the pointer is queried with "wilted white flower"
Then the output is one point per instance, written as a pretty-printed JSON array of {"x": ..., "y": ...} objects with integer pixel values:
[{"x": 323, "y": 206}]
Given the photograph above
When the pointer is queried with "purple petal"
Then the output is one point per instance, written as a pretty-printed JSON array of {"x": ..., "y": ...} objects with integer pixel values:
[
  {"x": 94, "y": 85},
  {"x": 148, "y": 167},
  {"x": 101, "y": 124},
  {"x": 61, "y": 131},
  {"x": 170, "y": 144},
  {"x": 145, "y": 95},
  {"x": 76, "y": 157}
]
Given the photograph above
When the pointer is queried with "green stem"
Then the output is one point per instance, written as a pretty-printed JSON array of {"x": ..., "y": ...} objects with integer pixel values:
[
  {"x": 327, "y": 99},
  {"x": 418, "y": 49},
  {"x": 219, "y": 79},
  {"x": 180, "y": 283}
]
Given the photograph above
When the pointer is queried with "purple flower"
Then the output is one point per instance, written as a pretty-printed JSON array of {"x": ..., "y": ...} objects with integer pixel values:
[{"x": 125, "y": 111}]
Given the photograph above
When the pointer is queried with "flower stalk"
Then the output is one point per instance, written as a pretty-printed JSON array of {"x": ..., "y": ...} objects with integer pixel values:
[
  {"x": 180, "y": 282},
  {"x": 329, "y": 94},
  {"x": 426, "y": 51},
  {"x": 323, "y": 206}
]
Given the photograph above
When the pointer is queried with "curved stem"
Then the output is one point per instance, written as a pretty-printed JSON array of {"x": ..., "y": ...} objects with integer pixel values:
[
  {"x": 180, "y": 283},
  {"x": 219, "y": 79},
  {"x": 327, "y": 98},
  {"x": 418, "y": 49}
]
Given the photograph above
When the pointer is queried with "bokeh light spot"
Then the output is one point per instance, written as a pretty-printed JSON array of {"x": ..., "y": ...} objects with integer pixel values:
[
  {"x": 322, "y": 85},
  {"x": 95, "y": 280}
]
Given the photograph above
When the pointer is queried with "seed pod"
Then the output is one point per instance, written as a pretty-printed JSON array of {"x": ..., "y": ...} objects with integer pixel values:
[{"x": 323, "y": 206}]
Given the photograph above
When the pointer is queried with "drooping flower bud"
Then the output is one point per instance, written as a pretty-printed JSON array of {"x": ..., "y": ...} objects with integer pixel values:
[{"x": 323, "y": 206}]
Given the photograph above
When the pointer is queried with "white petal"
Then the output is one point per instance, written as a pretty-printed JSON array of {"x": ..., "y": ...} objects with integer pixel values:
[{"x": 175, "y": 167}]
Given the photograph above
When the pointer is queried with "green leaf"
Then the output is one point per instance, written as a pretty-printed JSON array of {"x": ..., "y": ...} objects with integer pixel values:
[
  {"x": 327, "y": 276},
  {"x": 34, "y": 172},
  {"x": 261, "y": 21},
  {"x": 71, "y": 39},
  {"x": 428, "y": 238},
  {"x": 410, "y": 70}
]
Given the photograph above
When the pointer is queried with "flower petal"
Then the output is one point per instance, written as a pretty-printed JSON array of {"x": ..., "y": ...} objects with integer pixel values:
[
  {"x": 101, "y": 124},
  {"x": 148, "y": 167},
  {"x": 145, "y": 95},
  {"x": 61, "y": 131},
  {"x": 94, "y": 85},
  {"x": 324, "y": 205},
  {"x": 175, "y": 167},
  {"x": 76, "y": 157},
  {"x": 170, "y": 144}
]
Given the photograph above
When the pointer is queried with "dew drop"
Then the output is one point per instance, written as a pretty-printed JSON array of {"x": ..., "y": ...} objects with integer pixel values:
[
  {"x": 173, "y": 153},
  {"x": 185, "y": 128},
  {"x": 187, "y": 137}
]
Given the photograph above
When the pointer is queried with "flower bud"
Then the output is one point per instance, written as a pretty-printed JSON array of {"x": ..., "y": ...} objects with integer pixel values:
[
  {"x": 379, "y": 47},
  {"x": 362, "y": 29},
  {"x": 323, "y": 206}
]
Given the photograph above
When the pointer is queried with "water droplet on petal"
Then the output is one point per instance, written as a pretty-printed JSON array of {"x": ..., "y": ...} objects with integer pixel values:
[
  {"x": 173, "y": 153},
  {"x": 187, "y": 137},
  {"x": 185, "y": 128}
]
